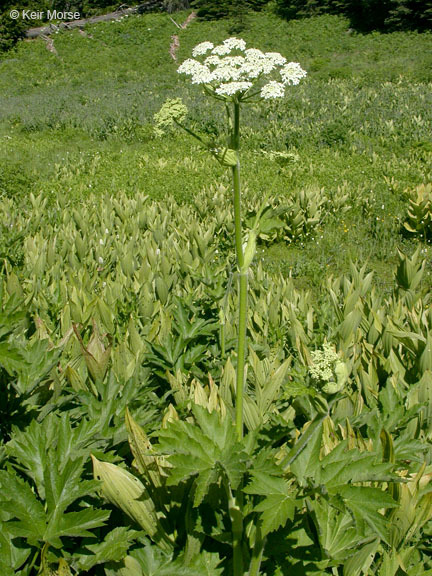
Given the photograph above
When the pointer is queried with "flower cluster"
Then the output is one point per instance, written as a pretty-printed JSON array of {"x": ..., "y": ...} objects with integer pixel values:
[
  {"x": 327, "y": 370},
  {"x": 232, "y": 70},
  {"x": 172, "y": 111}
]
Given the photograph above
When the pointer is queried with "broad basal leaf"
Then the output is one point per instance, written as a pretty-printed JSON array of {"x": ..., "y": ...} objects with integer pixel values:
[
  {"x": 336, "y": 529},
  {"x": 17, "y": 498},
  {"x": 361, "y": 561},
  {"x": 205, "y": 450},
  {"x": 365, "y": 504},
  {"x": 75, "y": 524},
  {"x": 279, "y": 503},
  {"x": 112, "y": 549}
]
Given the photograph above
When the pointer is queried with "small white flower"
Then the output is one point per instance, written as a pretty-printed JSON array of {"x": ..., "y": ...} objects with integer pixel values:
[
  {"x": 228, "y": 45},
  {"x": 200, "y": 74},
  {"x": 226, "y": 73},
  {"x": 212, "y": 60},
  {"x": 106, "y": 231},
  {"x": 189, "y": 67},
  {"x": 202, "y": 48},
  {"x": 221, "y": 50},
  {"x": 203, "y": 76},
  {"x": 254, "y": 54},
  {"x": 235, "y": 44},
  {"x": 275, "y": 57},
  {"x": 101, "y": 242},
  {"x": 100, "y": 260},
  {"x": 292, "y": 73},
  {"x": 273, "y": 90},
  {"x": 231, "y": 88}
]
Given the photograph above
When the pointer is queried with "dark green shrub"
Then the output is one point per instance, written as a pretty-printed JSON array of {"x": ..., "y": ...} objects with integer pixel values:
[
  {"x": 10, "y": 31},
  {"x": 410, "y": 14},
  {"x": 365, "y": 15},
  {"x": 292, "y": 9},
  {"x": 215, "y": 9}
]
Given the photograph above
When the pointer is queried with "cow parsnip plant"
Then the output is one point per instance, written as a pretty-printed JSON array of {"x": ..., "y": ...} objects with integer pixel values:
[{"x": 234, "y": 75}]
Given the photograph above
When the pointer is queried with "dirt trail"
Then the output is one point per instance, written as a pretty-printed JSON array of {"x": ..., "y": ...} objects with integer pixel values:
[{"x": 175, "y": 42}]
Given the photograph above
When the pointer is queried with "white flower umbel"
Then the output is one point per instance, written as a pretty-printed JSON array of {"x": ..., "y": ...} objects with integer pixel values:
[
  {"x": 233, "y": 73},
  {"x": 273, "y": 90},
  {"x": 232, "y": 88},
  {"x": 292, "y": 73},
  {"x": 202, "y": 48}
]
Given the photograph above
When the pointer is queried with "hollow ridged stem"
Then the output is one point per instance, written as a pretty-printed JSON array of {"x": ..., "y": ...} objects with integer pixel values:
[
  {"x": 236, "y": 515},
  {"x": 243, "y": 277},
  {"x": 255, "y": 563}
]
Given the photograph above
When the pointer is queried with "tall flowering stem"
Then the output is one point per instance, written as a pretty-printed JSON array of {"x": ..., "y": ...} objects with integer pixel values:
[
  {"x": 243, "y": 277},
  {"x": 236, "y": 75},
  {"x": 232, "y": 74}
]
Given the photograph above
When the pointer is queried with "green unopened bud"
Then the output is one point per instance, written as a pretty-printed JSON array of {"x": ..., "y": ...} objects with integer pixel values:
[{"x": 225, "y": 156}]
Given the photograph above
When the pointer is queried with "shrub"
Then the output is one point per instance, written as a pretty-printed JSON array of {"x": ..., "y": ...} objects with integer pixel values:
[
  {"x": 214, "y": 9},
  {"x": 365, "y": 15},
  {"x": 10, "y": 31}
]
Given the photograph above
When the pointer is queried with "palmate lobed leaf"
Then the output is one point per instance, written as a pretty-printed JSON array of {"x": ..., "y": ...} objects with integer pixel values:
[
  {"x": 112, "y": 549},
  {"x": 150, "y": 561},
  {"x": 11, "y": 556},
  {"x": 18, "y": 499},
  {"x": 74, "y": 524},
  {"x": 205, "y": 450},
  {"x": 366, "y": 503},
  {"x": 336, "y": 530},
  {"x": 342, "y": 466},
  {"x": 279, "y": 503},
  {"x": 46, "y": 453}
]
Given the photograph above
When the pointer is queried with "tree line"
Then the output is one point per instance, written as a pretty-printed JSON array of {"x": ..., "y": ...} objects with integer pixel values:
[{"x": 364, "y": 15}]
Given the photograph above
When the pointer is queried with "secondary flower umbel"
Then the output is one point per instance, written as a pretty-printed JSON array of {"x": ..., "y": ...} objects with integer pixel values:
[{"x": 231, "y": 71}]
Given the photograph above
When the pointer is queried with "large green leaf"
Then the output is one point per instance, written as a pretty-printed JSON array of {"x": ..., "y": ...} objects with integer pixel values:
[
  {"x": 336, "y": 530},
  {"x": 361, "y": 561},
  {"x": 18, "y": 499},
  {"x": 366, "y": 504},
  {"x": 113, "y": 548},
  {"x": 47, "y": 514},
  {"x": 204, "y": 449},
  {"x": 278, "y": 505}
]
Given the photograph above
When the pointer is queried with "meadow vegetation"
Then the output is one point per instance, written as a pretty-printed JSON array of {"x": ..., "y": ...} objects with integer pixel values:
[{"x": 118, "y": 315}]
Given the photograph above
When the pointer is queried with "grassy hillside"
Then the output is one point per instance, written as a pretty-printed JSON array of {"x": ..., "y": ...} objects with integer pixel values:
[{"x": 81, "y": 120}]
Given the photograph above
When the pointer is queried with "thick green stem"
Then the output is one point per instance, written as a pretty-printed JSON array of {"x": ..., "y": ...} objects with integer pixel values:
[
  {"x": 243, "y": 277},
  {"x": 236, "y": 506},
  {"x": 255, "y": 563},
  {"x": 236, "y": 515},
  {"x": 241, "y": 351}
]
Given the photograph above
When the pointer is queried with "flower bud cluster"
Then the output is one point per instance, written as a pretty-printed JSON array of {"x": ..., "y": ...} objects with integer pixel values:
[
  {"x": 230, "y": 70},
  {"x": 172, "y": 111},
  {"x": 327, "y": 370}
]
